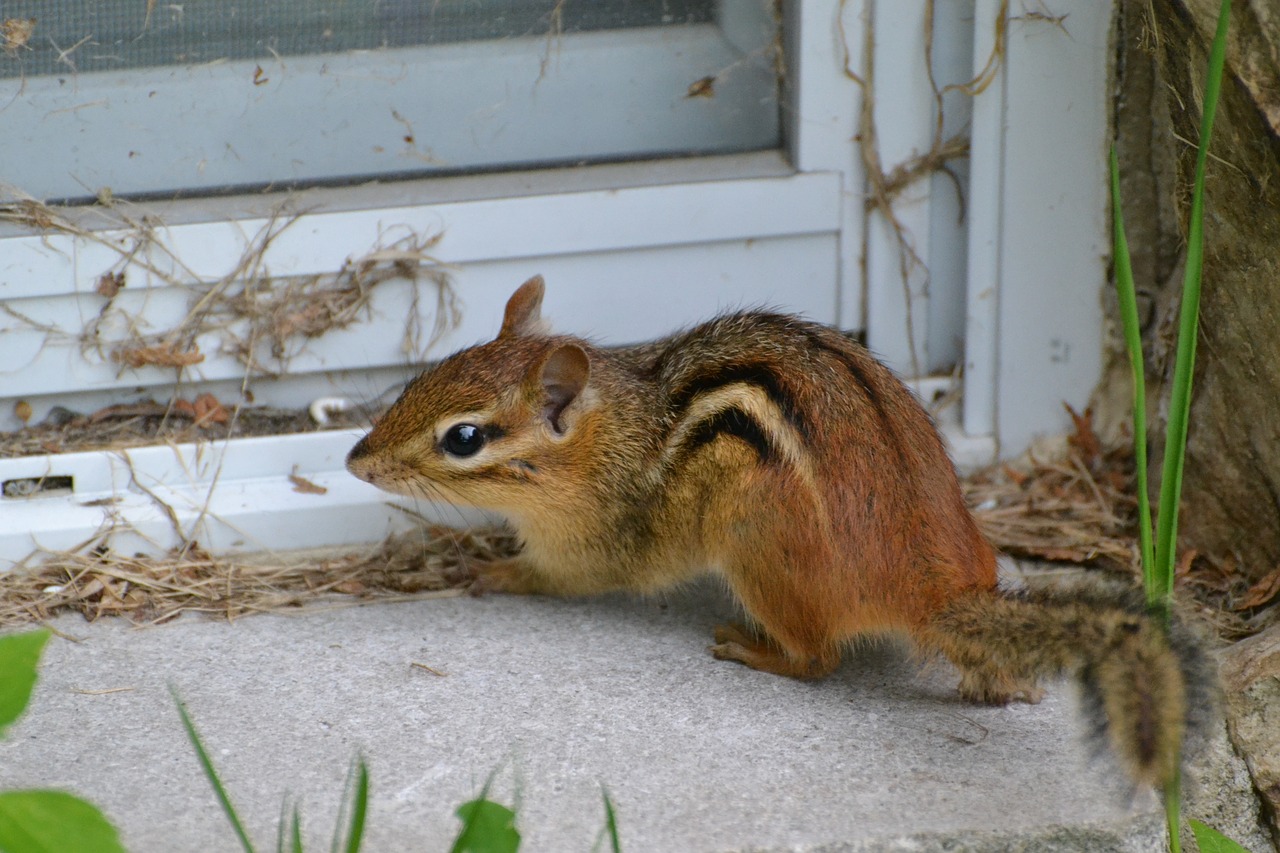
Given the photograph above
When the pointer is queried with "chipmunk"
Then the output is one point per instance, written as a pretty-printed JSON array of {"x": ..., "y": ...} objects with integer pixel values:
[{"x": 780, "y": 455}]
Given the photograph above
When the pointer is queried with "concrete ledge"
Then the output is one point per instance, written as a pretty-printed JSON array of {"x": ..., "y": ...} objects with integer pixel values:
[{"x": 562, "y": 696}]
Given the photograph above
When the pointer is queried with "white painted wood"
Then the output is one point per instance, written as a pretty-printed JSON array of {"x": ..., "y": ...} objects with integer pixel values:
[
  {"x": 1053, "y": 225},
  {"x": 953, "y": 25},
  {"x": 230, "y": 497},
  {"x": 897, "y": 277},
  {"x": 252, "y": 508},
  {"x": 490, "y": 229},
  {"x": 986, "y": 185},
  {"x": 702, "y": 245},
  {"x": 823, "y": 106}
]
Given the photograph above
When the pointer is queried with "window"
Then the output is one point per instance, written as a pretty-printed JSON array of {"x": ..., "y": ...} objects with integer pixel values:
[
  {"x": 198, "y": 97},
  {"x": 656, "y": 160}
]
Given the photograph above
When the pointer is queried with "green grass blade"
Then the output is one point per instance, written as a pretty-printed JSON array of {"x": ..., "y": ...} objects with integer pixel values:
[
  {"x": 1188, "y": 327},
  {"x": 1173, "y": 812},
  {"x": 290, "y": 827},
  {"x": 1127, "y": 294},
  {"x": 207, "y": 764},
  {"x": 359, "y": 807},
  {"x": 282, "y": 825},
  {"x": 610, "y": 822},
  {"x": 295, "y": 832},
  {"x": 19, "y": 655}
]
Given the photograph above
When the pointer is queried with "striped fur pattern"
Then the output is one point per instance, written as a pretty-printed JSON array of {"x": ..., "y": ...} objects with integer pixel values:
[{"x": 776, "y": 453}]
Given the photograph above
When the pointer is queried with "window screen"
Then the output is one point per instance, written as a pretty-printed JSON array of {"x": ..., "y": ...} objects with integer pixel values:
[
  {"x": 171, "y": 99},
  {"x": 58, "y": 36}
]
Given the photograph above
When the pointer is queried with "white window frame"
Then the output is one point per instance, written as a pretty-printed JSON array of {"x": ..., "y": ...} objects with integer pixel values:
[{"x": 620, "y": 246}]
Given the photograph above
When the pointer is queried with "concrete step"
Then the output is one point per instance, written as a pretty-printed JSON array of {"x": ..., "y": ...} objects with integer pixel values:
[{"x": 558, "y": 698}]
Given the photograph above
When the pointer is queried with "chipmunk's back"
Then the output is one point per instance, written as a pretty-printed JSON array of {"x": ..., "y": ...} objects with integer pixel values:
[{"x": 877, "y": 507}]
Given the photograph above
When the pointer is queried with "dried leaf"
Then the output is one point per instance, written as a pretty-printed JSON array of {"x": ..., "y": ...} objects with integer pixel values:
[
  {"x": 1261, "y": 592},
  {"x": 1084, "y": 439},
  {"x": 303, "y": 486},
  {"x": 704, "y": 87},
  {"x": 109, "y": 284},
  {"x": 1018, "y": 477},
  {"x": 209, "y": 411}
]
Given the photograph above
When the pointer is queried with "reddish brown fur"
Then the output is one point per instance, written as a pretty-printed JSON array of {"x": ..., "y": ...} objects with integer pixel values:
[{"x": 775, "y": 452}]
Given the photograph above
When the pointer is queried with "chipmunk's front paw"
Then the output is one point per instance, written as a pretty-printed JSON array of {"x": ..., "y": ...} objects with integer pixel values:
[{"x": 732, "y": 642}]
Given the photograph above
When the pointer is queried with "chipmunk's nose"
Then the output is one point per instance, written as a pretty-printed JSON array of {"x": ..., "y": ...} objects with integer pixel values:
[{"x": 358, "y": 454}]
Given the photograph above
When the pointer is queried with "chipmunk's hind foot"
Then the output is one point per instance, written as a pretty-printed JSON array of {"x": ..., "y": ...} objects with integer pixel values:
[
  {"x": 991, "y": 687},
  {"x": 736, "y": 643}
]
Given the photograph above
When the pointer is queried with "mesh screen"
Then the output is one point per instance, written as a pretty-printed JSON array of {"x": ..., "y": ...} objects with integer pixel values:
[{"x": 42, "y": 37}]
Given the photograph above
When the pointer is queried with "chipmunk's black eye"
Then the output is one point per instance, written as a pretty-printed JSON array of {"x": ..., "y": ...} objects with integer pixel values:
[{"x": 463, "y": 440}]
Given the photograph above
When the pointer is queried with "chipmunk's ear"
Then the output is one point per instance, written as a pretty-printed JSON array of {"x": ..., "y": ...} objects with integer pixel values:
[
  {"x": 564, "y": 377},
  {"x": 524, "y": 310}
]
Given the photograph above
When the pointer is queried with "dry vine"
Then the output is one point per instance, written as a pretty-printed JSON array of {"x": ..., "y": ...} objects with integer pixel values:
[
  {"x": 260, "y": 319},
  {"x": 885, "y": 186}
]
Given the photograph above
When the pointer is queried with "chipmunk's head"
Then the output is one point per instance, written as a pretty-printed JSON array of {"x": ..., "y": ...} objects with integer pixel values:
[{"x": 492, "y": 426}]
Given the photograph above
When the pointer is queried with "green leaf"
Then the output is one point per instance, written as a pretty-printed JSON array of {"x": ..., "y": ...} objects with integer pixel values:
[
  {"x": 359, "y": 806},
  {"x": 1128, "y": 298},
  {"x": 19, "y": 654},
  {"x": 1188, "y": 327},
  {"x": 610, "y": 822},
  {"x": 206, "y": 764},
  {"x": 53, "y": 822},
  {"x": 1212, "y": 841},
  {"x": 1173, "y": 811},
  {"x": 487, "y": 827},
  {"x": 295, "y": 832}
]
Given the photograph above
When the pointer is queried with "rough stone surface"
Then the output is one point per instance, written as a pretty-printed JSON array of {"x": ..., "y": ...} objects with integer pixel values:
[
  {"x": 1231, "y": 491},
  {"x": 1251, "y": 678},
  {"x": 557, "y": 697}
]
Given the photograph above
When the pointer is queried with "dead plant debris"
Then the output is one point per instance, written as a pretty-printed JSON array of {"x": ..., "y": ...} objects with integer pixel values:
[
  {"x": 1076, "y": 504},
  {"x": 428, "y": 563},
  {"x": 147, "y": 422},
  {"x": 260, "y": 319},
  {"x": 15, "y": 33},
  {"x": 1072, "y": 503},
  {"x": 160, "y": 355},
  {"x": 303, "y": 486}
]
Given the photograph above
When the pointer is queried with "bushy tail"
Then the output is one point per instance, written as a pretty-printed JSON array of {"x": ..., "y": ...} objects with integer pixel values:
[{"x": 1147, "y": 690}]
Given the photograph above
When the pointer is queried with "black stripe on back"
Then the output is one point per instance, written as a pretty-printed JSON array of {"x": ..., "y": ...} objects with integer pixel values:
[
  {"x": 887, "y": 429},
  {"x": 751, "y": 373},
  {"x": 855, "y": 369},
  {"x": 732, "y": 422}
]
